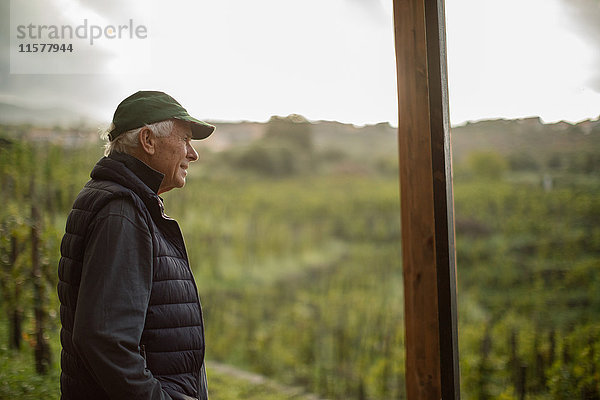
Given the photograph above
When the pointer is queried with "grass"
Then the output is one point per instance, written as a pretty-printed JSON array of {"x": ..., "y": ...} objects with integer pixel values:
[{"x": 19, "y": 379}]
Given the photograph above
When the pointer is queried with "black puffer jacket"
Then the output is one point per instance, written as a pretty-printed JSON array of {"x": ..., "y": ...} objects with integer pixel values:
[{"x": 131, "y": 319}]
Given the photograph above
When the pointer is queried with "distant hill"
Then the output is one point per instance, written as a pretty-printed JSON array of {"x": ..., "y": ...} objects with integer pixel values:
[
  {"x": 379, "y": 139},
  {"x": 529, "y": 136},
  {"x": 55, "y": 116}
]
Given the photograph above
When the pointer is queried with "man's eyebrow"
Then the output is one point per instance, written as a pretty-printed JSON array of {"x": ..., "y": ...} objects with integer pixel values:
[{"x": 187, "y": 134}]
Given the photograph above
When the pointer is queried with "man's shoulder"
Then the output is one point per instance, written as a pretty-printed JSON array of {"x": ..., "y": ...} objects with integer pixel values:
[
  {"x": 121, "y": 206},
  {"x": 102, "y": 187},
  {"x": 123, "y": 211},
  {"x": 100, "y": 198},
  {"x": 100, "y": 203},
  {"x": 97, "y": 193}
]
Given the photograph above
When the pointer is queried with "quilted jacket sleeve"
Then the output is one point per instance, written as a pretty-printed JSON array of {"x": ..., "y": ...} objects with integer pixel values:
[{"x": 115, "y": 288}]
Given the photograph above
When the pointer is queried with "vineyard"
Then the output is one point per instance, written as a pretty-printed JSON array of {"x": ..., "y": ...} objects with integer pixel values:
[{"x": 296, "y": 250}]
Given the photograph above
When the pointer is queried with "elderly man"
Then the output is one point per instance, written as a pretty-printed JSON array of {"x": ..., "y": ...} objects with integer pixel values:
[{"x": 131, "y": 318}]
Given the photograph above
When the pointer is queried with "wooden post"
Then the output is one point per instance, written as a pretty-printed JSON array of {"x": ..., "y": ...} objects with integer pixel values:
[{"x": 432, "y": 370}]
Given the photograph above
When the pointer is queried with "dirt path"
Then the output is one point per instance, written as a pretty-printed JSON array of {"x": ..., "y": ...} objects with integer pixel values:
[{"x": 256, "y": 379}]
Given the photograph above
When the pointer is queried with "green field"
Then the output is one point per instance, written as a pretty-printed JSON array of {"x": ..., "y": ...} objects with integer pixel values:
[{"x": 296, "y": 250}]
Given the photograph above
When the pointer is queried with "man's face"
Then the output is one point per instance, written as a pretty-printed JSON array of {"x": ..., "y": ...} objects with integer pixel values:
[{"x": 173, "y": 155}]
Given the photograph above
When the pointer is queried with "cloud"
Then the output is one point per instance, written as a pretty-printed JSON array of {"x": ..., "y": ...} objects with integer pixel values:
[
  {"x": 86, "y": 94},
  {"x": 328, "y": 60},
  {"x": 583, "y": 18},
  {"x": 378, "y": 11},
  {"x": 114, "y": 10}
]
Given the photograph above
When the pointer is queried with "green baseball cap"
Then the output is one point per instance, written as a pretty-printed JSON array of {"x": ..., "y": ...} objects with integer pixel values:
[{"x": 147, "y": 107}]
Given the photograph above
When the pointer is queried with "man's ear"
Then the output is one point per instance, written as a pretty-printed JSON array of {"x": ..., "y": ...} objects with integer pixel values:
[{"x": 147, "y": 141}]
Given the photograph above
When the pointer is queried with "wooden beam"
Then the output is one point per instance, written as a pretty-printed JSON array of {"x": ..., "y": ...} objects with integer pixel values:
[{"x": 432, "y": 370}]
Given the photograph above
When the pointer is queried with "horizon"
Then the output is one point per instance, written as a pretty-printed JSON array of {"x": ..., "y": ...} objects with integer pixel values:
[{"x": 90, "y": 123}]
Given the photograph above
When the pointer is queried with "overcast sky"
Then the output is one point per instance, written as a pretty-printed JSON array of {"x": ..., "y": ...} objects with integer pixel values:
[{"x": 332, "y": 60}]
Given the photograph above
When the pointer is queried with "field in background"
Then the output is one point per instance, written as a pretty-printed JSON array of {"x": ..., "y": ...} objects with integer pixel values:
[{"x": 294, "y": 238}]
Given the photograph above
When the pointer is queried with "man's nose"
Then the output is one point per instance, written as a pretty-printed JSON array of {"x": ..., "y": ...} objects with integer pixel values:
[{"x": 192, "y": 154}]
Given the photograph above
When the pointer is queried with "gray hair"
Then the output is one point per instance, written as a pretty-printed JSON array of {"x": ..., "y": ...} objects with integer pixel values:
[{"x": 128, "y": 140}]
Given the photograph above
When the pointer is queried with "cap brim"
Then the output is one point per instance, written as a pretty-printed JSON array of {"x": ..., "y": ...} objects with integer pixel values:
[{"x": 200, "y": 129}]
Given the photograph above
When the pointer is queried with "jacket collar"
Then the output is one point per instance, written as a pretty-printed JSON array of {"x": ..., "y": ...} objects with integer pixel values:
[
  {"x": 113, "y": 169},
  {"x": 149, "y": 176}
]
